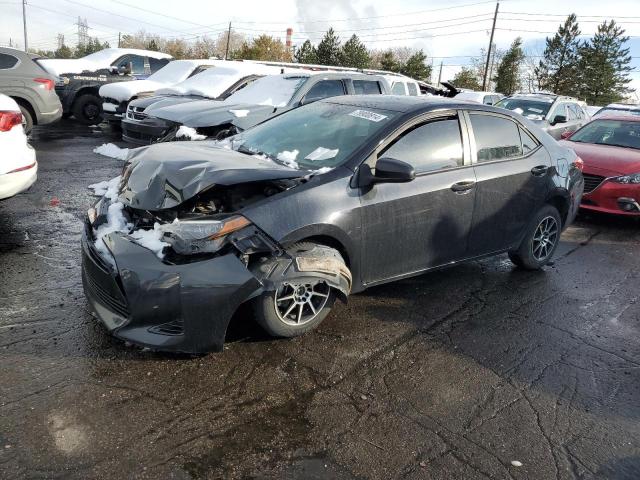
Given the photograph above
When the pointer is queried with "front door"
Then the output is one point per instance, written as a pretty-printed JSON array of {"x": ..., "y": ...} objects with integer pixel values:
[
  {"x": 409, "y": 227},
  {"x": 512, "y": 171}
]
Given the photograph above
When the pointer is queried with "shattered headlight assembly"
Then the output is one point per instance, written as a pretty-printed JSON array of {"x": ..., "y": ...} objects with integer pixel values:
[
  {"x": 633, "y": 178},
  {"x": 190, "y": 237}
]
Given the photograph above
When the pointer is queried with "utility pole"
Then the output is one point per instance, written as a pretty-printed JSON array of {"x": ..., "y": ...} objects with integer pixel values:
[
  {"x": 440, "y": 74},
  {"x": 486, "y": 67},
  {"x": 226, "y": 51},
  {"x": 24, "y": 23},
  {"x": 118, "y": 39},
  {"x": 493, "y": 61}
]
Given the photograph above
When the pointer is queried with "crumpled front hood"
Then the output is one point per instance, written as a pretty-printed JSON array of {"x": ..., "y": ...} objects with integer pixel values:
[
  {"x": 210, "y": 113},
  {"x": 165, "y": 175}
]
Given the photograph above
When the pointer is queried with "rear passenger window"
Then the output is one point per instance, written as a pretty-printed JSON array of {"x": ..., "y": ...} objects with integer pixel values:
[
  {"x": 366, "y": 87},
  {"x": 413, "y": 89},
  {"x": 324, "y": 89},
  {"x": 497, "y": 138},
  {"x": 7, "y": 61},
  {"x": 528, "y": 142},
  {"x": 157, "y": 63},
  {"x": 398, "y": 89},
  {"x": 432, "y": 146}
]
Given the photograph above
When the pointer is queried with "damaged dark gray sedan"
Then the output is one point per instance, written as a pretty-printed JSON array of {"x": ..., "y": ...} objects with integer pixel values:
[{"x": 313, "y": 205}]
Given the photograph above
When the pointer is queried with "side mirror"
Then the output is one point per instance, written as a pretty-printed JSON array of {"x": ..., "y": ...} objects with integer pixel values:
[
  {"x": 559, "y": 119},
  {"x": 565, "y": 135},
  {"x": 390, "y": 170}
]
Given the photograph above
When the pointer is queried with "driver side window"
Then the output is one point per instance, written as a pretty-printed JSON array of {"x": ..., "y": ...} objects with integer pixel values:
[{"x": 435, "y": 145}]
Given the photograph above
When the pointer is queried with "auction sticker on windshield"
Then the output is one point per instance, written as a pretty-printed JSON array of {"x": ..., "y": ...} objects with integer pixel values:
[{"x": 367, "y": 115}]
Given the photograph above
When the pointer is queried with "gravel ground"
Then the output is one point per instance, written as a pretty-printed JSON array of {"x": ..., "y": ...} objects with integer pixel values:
[{"x": 479, "y": 371}]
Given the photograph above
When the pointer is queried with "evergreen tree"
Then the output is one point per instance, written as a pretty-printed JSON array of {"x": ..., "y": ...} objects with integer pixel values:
[
  {"x": 264, "y": 47},
  {"x": 557, "y": 72},
  {"x": 604, "y": 66},
  {"x": 508, "y": 74},
  {"x": 63, "y": 52},
  {"x": 415, "y": 66},
  {"x": 328, "y": 50},
  {"x": 389, "y": 62},
  {"x": 307, "y": 53},
  {"x": 354, "y": 54},
  {"x": 466, "y": 78}
]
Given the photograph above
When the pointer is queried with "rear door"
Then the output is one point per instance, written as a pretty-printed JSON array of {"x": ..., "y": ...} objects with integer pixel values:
[
  {"x": 512, "y": 171},
  {"x": 409, "y": 227}
]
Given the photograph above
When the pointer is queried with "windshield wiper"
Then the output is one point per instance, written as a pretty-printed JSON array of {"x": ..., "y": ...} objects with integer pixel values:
[{"x": 248, "y": 151}]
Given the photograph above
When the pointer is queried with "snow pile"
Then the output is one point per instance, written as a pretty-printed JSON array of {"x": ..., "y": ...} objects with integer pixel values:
[
  {"x": 151, "y": 239},
  {"x": 289, "y": 158},
  {"x": 107, "y": 189},
  {"x": 113, "y": 151},
  {"x": 116, "y": 222},
  {"x": 189, "y": 133},
  {"x": 240, "y": 113}
]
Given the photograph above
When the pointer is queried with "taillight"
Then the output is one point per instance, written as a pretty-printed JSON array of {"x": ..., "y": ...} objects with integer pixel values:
[
  {"x": 47, "y": 82},
  {"x": 8, "y": 120},
  {"x": 22, "y": 169},
  {"x": 579, "y": 163}
]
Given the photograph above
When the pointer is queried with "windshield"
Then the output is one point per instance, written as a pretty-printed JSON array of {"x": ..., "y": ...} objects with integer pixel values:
[
  {"x": 174, "y": 72},
  {"x": 533, "y": 109},
  {"x": 211, "y": 83},
  {"x": 273, "y": 90},
  {"x": 616, "y": 133},
  {"x": 316, "y": 136}
]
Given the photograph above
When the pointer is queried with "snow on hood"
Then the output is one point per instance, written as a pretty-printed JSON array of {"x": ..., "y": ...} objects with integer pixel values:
[
  {"x": 215, "y": 81},
  {"x": 172, "y": 73},
  {"x": 95, "y": 61},
  {"x": 167, "y": 174}
]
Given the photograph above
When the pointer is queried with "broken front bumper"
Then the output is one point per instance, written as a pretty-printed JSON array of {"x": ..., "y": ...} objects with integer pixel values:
[
  {"x": 178, "y": 308},
  {"x": 147, "y": 131}
]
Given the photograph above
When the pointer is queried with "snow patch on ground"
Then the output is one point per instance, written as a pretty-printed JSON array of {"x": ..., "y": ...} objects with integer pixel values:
[
  {"x": 289, "y": 158},
  {"x": 108, "y": 189},
  {"x": 189, "y": 133},
  {"x": 113, "y": 151},
  {"x": 240, "y": 113}
]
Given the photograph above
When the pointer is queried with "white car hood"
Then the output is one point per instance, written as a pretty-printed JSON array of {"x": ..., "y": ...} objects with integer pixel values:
[{"x": 123, "y": 91}]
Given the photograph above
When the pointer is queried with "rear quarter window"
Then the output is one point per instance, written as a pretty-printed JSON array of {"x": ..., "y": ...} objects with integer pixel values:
[
  {"x": 413, "y": 89},
  {"x": 398, "y": 89},
  {"x": 7, "y": 61},
  {"x": 497, "y": 138}
]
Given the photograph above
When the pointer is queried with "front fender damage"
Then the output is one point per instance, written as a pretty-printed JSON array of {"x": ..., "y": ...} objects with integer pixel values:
[{"x": 305, "y": 265}]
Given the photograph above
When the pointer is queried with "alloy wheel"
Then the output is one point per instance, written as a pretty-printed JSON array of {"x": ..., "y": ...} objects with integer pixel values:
[
  {"x": 299, "y": 303},
  {"x": 545, "y": 238}
]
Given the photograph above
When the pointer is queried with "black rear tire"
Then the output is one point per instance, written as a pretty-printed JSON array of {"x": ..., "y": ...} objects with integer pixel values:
[
  {"x": 540, "y": 241},
  {"x": 87, "y": 109},
  {"x": 27, "y": 119}
]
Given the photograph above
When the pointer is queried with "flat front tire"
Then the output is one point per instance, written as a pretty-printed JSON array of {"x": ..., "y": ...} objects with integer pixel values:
[{"x": 540, "y": 241}]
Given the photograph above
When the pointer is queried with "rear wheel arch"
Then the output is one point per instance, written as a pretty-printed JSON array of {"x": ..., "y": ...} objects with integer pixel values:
[
  {"x": 27, "y": 104},
  {"x": 561, "y": 203}
]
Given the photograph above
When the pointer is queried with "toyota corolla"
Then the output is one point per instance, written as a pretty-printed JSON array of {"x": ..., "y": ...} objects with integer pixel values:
[{"x": 315, "y": 205}]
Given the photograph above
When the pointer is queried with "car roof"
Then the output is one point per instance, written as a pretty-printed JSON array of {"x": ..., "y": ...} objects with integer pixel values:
[
  {"x": 622, "y": 118},
  {"x": 400, "y": 103}
]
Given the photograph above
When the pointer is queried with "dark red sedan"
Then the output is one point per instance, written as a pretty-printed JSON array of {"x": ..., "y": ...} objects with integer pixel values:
[{"x": 610, "y": 149}]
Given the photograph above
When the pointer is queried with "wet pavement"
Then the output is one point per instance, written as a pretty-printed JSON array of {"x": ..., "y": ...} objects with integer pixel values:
[{"x": 453, "y": 374}]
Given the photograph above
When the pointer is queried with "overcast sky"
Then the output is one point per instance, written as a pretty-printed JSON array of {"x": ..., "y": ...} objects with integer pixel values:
[{"x": 447, "y": 34}]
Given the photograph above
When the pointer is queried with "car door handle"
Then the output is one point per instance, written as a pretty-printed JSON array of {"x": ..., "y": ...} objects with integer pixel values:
[
  {"x": 463, "y": 187},
  {"x": 539, "y": 171}
]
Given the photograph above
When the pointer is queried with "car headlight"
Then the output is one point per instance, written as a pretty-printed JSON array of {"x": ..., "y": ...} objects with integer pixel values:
[
  {"x": 633, "y": 178},
  {"x": 189, "y": 237}
]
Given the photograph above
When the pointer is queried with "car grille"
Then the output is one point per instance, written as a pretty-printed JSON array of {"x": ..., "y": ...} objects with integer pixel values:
[
  {"x": 105, "y": 297},
  {"x": 136, "y": 113},
  {"x": 591, "y": 182},
  {"x": 174, "y": 328},
  {"x": 138, "y": 135}
]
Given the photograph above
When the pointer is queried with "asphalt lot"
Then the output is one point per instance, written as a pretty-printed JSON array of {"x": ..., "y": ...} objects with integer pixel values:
[{"x": 454, "y": 374}]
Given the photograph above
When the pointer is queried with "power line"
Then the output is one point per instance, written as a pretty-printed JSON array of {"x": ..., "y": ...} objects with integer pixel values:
[{"x": 172, "y": 17}]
